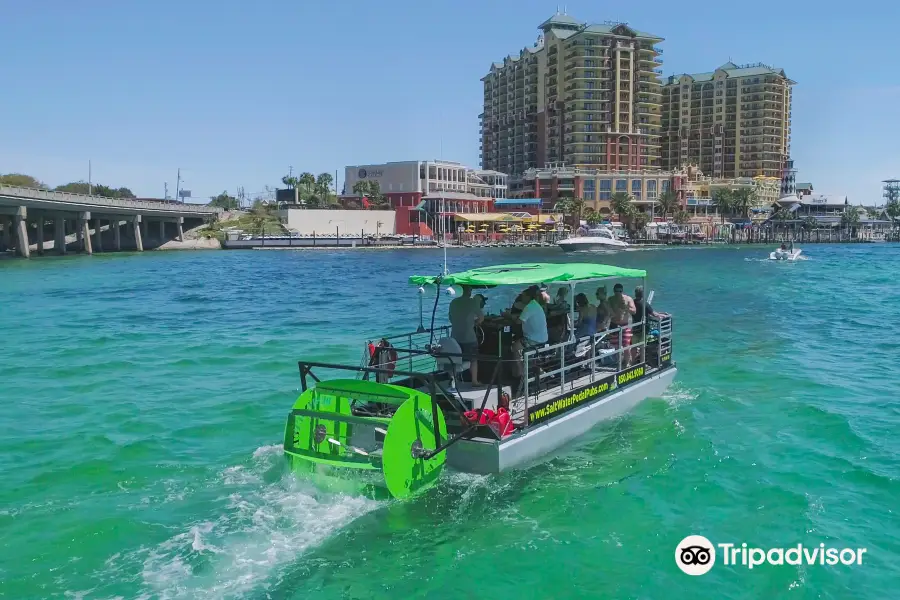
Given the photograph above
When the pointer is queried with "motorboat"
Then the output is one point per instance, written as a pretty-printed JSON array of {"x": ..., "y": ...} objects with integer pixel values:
[
  {"x": 789, "y": 254},
  {"x": 601, "y": 238},
  {"x": 390, "y": 425}
]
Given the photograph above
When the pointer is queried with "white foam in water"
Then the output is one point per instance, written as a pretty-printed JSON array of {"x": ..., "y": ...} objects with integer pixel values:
[{"x": 263, "y": 527}]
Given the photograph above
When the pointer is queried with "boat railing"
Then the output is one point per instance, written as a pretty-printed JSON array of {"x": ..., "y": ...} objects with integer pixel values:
[
  {"x": 417, "y": 341},
  {"x": 555, "y": 369}
]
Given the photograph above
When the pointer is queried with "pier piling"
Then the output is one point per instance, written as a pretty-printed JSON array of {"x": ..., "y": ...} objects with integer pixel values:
[
  {"x": 84, "y": 232},
  {"x": 21, "y": 229},
  {"x": 117, "y": 233},
  {"x": 40, "y": 234},
  {"x": 98, "y": 234},
  {"x": 136, "y": 223},
  {"x": 59, "y": 237}
]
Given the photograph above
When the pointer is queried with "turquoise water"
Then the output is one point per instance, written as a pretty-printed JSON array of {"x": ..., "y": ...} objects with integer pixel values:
[{"x": 144, "y": 396}]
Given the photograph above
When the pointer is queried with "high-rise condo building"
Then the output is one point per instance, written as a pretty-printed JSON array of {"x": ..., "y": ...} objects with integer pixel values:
[
  {"x": 588, "y": 96},
  {"x": 732, "y": 122}
]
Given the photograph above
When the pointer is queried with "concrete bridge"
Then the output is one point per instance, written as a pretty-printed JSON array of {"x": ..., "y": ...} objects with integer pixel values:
[{"x": 39, "y": 220}]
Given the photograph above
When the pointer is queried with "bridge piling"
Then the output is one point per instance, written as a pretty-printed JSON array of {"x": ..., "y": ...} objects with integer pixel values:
[
  {"x": 162, "y": 232},
  {"x": 84, "y": 232},
  {"x": 7, "y": 233},
  {"x": 136, "y": 223},
  {"x": 180, "y": 225},
  {"x": 40, "y": 234},
  {"x": 117, "y": 233},
  {"x": 59, "y": 242},
  {"x": 22, "y": 231},
  {"x": 98, "y": 234}
]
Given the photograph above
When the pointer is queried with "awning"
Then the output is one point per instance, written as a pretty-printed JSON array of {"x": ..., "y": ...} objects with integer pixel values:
[
  {"x": 531, "y": 273},
  {"x": 486, "y": 218},
  {"x": 517, "y": 201}
]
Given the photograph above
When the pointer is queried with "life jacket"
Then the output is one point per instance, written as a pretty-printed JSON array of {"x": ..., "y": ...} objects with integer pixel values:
[
  {"x": 383, "y": 356},
  {"x": 499, "y": 421}
]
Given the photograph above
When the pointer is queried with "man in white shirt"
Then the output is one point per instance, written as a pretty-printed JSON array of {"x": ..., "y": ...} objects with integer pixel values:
[
  {"x": 465, "y": 313},
  {"x": 534, "y": 323}
]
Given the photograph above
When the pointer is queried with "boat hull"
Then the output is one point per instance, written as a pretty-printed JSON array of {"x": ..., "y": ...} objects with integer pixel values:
[
  {"x": 574, "y": 246},
  {"x": 785, "y": 255},
  {"x": 485, "y": 457}
]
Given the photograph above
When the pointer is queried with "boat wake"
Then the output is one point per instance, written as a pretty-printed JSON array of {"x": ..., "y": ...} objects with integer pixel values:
[{"x": 262, "y": 527}]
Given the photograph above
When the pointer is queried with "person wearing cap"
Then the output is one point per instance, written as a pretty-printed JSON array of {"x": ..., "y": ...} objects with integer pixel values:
[
  {"x": 621, "y": 308},
  {"x": 465, "y": 313}
]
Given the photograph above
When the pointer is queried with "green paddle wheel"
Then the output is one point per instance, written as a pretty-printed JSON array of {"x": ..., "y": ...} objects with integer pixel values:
[{"x": 357, "y": 436}]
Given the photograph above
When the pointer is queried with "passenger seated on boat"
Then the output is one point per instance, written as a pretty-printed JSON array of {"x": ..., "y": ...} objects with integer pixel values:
[
  {"x": 465, "y": 313},
  {"x": 643, "y": 311},
  {"x": 602, "y": 309},
  {"x": 560, "y": 303},
  {"x": 586, "y": 324},
  {"x": 621, "y": 307},
  {"x": 534, "y": 325}
]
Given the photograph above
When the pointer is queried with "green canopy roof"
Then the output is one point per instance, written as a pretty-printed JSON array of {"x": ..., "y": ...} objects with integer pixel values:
[{"x": 530, "y": 273}]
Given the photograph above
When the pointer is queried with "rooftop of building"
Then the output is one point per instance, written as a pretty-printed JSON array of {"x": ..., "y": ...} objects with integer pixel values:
[
  {"x": 731, "y": 70},
  {"x": 564, "y": 26}
]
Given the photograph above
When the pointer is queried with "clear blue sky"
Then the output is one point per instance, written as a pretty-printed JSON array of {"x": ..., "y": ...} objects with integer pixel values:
[{"x": 235, "y": 92}]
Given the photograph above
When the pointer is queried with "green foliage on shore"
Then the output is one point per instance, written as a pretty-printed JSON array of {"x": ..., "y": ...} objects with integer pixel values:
[
  {"x": 225, "y": 201},
  {"x": 80, "y": 187},
  {"x": 313, "y": 191},
  {"x": 261, "y": 219},
  {"x": 22, "y": 180}
]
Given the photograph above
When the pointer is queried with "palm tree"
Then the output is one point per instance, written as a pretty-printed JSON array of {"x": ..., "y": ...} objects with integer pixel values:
[
  {"x": 290, "y": 181},
  {"x": 668, "y": 203},
  {"x": 850, "y": 220},
  {"x": 681, "y": 217},
  {"x": 578, "y": 207},
  {"x": 809, "y": 224},
  {"x": 308, "y": 180},
  {"x": 592, "y": 217},
  {"x": 323, "y": 184},
  {"x": 723, "y": 199},
  {"x": 620, "y": 202},
  {"x": 893, "y": 211},
  {"x": 565, "y": 207},
  {"x": 743, "y": 200}
]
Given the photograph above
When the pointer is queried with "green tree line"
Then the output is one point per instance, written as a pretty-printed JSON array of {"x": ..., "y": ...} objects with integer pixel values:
[{"x": 75, "y": 187}]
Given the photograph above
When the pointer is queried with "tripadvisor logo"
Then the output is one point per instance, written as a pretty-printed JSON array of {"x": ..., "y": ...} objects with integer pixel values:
[{"x": 696, "y": 555}]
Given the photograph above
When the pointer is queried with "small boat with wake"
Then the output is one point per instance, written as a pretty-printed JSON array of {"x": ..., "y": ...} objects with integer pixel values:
[
  {"x": 785, "y": 253},
  {"x": 387, "y": 426}
]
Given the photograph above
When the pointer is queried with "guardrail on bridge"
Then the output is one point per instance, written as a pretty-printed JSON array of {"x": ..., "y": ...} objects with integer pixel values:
[{"x": 69, "y": 198}]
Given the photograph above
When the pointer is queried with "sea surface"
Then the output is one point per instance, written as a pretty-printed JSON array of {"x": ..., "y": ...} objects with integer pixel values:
[{"x": 143, "y": 399}]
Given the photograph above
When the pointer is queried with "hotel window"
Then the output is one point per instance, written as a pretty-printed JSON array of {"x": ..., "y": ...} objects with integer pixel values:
[
  {"x": 589, "y": 191},
  {"x": 651, "y": 189},
  {"x": 605, "y": 189},
  {"x": 621, "y": 185},
  {"x": 665, "y": 185},
  {"x": 589, "y": 195},
  {"x": 636, "y": 188}
]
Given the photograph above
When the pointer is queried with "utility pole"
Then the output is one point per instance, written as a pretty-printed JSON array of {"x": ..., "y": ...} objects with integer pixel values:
[
  {"x": 90, "y": 186},
  {"x": 178, "y": 185},
  {"x": 166, "y": 190},
  {"x": 290, "y": 172}
]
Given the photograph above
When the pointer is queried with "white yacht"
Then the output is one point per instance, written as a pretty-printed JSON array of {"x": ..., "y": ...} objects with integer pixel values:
[{"x": 601, "y": 238}]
